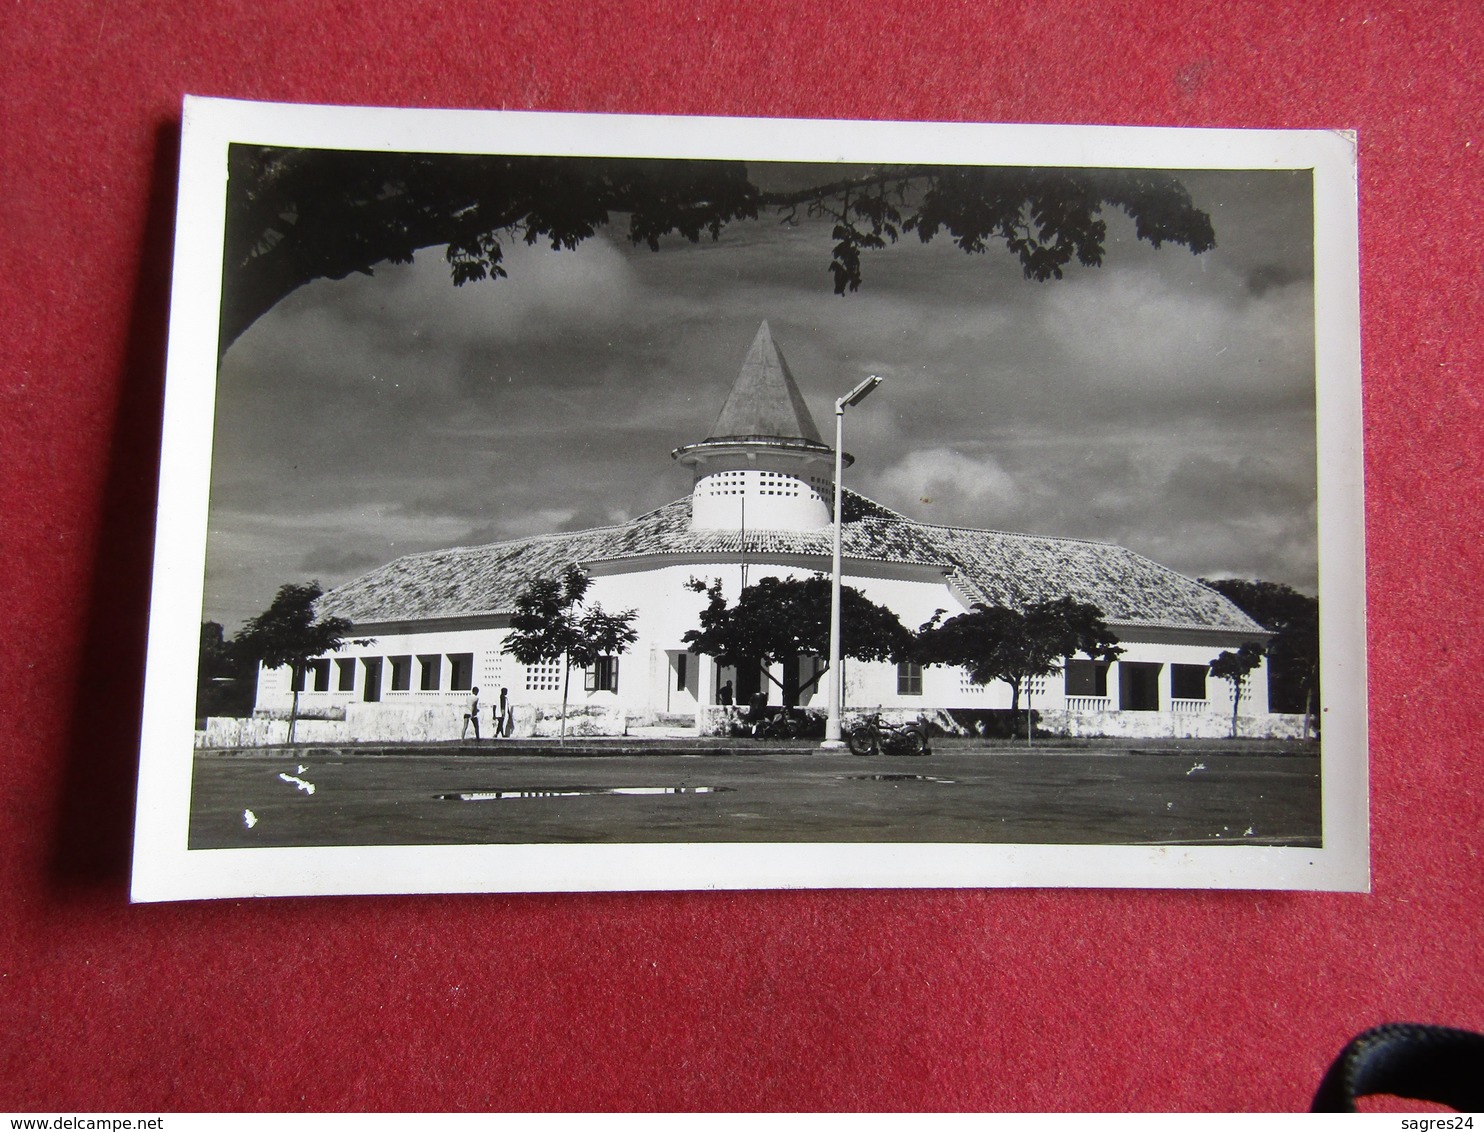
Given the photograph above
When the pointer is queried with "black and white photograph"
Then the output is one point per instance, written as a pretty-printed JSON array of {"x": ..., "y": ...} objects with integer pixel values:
[{"x": 558, "y": 502}]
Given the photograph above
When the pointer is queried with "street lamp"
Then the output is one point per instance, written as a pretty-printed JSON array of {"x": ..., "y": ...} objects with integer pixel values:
[{"x": 837, "y": 685}]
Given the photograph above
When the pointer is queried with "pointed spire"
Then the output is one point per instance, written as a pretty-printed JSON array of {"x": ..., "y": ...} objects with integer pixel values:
[
  {"x": 764, "y": 466},
  {"x": 765, "y": 400}
]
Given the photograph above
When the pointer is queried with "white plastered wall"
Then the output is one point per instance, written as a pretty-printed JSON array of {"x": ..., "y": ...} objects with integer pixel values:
[{"x": 649, "y": 684}]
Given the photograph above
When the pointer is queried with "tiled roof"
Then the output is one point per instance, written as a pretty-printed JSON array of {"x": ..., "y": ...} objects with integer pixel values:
[
  {"x": 998, "y": 568},
  {"x": 993, "y": 567}
]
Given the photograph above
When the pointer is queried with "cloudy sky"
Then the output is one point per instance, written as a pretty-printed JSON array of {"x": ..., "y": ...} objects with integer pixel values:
[{"x": 1163, "y": 401}]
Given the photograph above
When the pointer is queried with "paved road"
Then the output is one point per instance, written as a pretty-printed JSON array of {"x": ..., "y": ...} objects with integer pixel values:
[{"x": 1203, "y": 794}]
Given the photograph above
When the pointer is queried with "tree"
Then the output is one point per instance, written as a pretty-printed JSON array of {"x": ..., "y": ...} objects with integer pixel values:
[
  {"x": 994, "y": 642},
  {"x": 778, "y": 619},
  {"x": 1293, "y": 653},
  {"x": 223, "y": 683},
  {"x": 288, "y": 633},
  {"x": 550, "y": 623},
  {"x": 1233, "y": 667},
  {"x": 296, "y": 215}
]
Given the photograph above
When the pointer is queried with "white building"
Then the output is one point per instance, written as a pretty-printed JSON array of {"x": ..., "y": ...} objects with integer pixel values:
[{"x": 761, "y": 505}]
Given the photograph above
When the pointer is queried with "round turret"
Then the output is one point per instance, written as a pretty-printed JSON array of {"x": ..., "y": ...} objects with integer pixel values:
[{"x": 764, "y": 466}]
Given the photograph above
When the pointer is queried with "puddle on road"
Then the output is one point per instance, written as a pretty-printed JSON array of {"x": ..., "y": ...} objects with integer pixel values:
[
  {"x": 899, "y": 778},
  {"x": 575, "y": 792}
]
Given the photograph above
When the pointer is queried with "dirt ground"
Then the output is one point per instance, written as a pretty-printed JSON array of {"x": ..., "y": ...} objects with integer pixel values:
[{"x": 1191, "y": 793}]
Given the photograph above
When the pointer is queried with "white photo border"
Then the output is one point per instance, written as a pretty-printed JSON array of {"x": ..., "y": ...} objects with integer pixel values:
[{"x": 165, "y": 869}]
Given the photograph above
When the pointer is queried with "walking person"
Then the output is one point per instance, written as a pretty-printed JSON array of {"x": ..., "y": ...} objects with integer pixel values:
[
  {"x": 503, "y": 712},
  {"x": 472, "y": 715}
]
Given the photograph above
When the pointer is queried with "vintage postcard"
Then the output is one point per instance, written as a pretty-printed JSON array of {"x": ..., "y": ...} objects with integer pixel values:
[{"x": 572, "y": 502}]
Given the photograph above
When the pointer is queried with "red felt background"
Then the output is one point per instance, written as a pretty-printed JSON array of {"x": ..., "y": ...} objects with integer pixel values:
[{"x": 774, "y": 1000}]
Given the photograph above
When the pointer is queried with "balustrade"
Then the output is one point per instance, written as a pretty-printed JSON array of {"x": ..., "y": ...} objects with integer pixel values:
[{"x": 1089, "y": 703}]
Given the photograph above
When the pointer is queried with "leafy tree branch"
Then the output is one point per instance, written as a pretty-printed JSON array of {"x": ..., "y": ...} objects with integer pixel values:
[
  {"x": 1233, "y": 667},
  {"x": 994, "y": 642},
  {"x": 289, "y": 633},
  {"x": 296, "y": 215},
  {"x": 550, "y": 623},
  {"x": 777, "y": 619}
]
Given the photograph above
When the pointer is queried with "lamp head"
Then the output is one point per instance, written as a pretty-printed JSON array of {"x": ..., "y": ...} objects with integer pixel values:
[{"x": 859, "y": 393}]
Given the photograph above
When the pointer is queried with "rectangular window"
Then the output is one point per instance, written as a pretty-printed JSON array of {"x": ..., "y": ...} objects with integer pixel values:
[
  {"x": 603, "y": 675},
  {"x": 909, "y": 679},
  {"x": 371, "y": 692},
  {"x": 321, "y": 670},
  {"x": 1086, "y": 678},
  {"x": 682, "y": 665},
  {"x": 401, "y": 673},
  {"x": 432, "y": 672},
  {"x": 1138, "y": 685},
  {"x": 297, "y": 672},
  {"x": 460, "y": 671},
  {"x": 1188, "y": 681},
  {"x": 347, "y": 672}
]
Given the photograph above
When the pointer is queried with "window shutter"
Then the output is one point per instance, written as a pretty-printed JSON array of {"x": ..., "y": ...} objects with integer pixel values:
[{"x": 590, "y": 679}]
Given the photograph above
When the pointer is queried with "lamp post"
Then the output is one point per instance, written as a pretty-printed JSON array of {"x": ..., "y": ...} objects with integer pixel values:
[{"x": 837, "y": 685}]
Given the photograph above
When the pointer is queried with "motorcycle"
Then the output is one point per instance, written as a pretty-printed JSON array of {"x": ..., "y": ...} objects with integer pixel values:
[
  {"x": 774, "y": 723},
  {"x": 870, "y": 736},
  {"x": 786, "y": 724}
]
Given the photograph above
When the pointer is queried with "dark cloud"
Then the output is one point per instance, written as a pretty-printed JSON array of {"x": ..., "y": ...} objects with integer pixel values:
[
  {"x": 1164, "y": 400},
  {"x": 588, "y": 517},
  {"x": 1266, "y": 276},
  {"x": 339, "y": 562}
]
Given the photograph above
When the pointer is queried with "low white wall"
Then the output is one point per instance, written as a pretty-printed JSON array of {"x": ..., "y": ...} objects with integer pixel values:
[
  {"x": 260, "y": 732},
  {"x": 546, "y": 722},
  {"x": 441, "y": 723},
  {"x": 409, "y": 723},
  {"x": 1166, "y": 725}
]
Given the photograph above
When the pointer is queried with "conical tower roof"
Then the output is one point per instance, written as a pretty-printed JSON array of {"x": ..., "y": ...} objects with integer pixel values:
[{"x": 765, "y": 402}]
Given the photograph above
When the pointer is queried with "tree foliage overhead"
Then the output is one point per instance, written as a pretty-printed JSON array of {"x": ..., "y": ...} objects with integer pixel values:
[
  {"x": 1045, "y": 217},
  {"x": 296, "y": 215},
  {"x": 779, "y": 618},
  {"x": 994, "y": 642}
]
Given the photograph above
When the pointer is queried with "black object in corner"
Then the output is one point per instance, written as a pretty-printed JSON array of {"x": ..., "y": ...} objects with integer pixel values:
[{"x": 1425, "y": 1063}]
